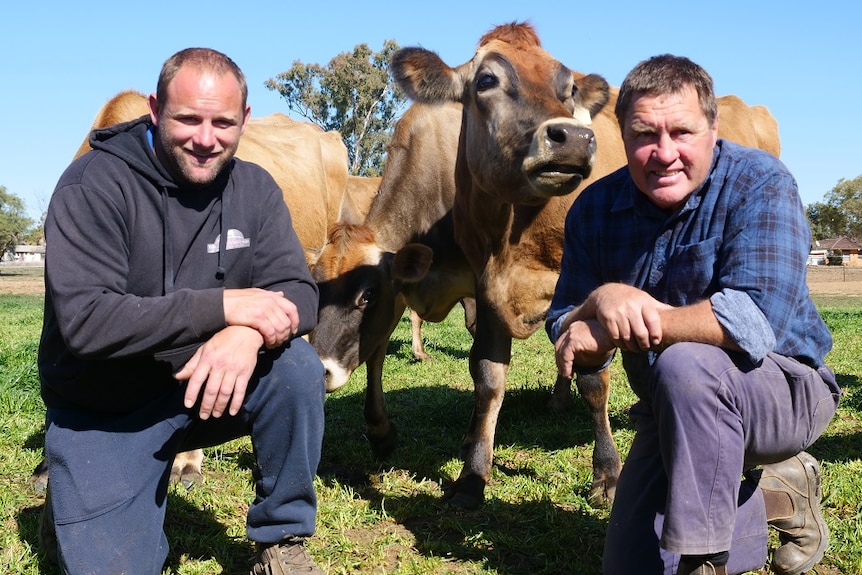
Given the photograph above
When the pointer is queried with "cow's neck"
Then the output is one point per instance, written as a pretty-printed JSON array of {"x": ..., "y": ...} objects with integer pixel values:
[{"x": 514, "y": 251}]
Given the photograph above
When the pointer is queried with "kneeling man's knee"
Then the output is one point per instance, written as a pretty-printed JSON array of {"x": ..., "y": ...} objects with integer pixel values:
[{"x": 686, "y": 367}]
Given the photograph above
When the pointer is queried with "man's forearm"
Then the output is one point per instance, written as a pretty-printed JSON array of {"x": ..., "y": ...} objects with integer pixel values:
[{"x": 696, "y": 323}]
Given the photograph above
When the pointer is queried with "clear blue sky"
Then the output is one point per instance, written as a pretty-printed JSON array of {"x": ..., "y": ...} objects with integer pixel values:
[{"x": 60, "y": 64}]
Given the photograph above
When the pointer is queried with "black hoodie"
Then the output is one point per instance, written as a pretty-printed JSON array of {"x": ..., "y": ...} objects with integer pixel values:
[{"x": 136, "y": 267}]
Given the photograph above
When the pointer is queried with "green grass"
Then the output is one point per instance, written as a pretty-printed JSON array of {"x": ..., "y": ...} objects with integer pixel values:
[{"x": 386, "y": 517}]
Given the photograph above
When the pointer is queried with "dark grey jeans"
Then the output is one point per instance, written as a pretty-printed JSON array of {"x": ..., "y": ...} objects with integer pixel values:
[
  {"x": 704, "y": 417},
  {"x": 109, "y": 474}
]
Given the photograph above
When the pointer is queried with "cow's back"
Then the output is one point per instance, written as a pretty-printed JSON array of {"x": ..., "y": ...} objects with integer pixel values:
[
  {"x": 310, "y": 166},
  {"x": 418, "y": 185},
  {"x": 123, "y": 107}
]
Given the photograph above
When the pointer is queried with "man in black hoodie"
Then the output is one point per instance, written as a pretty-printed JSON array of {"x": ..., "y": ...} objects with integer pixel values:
[{"x": 176, "y": 292}]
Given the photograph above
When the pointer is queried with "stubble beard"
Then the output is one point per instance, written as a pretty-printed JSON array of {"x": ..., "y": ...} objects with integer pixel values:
[{"x": 187, "y": 171}]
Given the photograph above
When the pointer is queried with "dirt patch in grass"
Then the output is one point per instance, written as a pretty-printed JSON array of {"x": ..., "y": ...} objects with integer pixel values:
[{"x": 22, "y": 280}]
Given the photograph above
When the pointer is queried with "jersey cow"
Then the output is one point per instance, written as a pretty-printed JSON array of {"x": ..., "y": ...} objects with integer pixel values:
[{"x": 366, "y": 271}]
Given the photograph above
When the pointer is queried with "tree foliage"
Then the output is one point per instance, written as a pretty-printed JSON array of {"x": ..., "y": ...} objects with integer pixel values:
[
  {"x": 840, "y": 214},
  {"x": 354, "y": 95},
  {"x": 15, "y": 226}
]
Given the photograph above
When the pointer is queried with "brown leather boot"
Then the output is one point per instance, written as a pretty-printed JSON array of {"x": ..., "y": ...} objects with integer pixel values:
[
  {"x": 791, "y": 491},
  {"x": 693, "y": 566}
]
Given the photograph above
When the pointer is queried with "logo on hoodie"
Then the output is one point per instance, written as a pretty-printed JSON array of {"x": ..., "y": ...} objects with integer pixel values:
[{"x": 235, "y": 241}]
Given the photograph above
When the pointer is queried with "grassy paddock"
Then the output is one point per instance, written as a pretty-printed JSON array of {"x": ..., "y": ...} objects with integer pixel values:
[{"x": 386, "y": 517}]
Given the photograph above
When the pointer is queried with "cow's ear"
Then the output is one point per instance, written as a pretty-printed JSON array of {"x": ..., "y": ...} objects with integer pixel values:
[
  {"x": 594, "y": 92},
  {"x": 411, "y": 263},
  {"x": 424, "y": 77}
]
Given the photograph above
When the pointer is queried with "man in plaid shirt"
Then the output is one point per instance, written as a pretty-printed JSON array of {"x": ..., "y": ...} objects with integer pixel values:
[{"x": 691, "y": 261}]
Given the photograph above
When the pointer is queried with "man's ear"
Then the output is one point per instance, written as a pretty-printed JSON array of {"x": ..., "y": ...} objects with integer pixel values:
[
  {"x": 245, "y": 118},
  {"x": 153, "y": 103}
]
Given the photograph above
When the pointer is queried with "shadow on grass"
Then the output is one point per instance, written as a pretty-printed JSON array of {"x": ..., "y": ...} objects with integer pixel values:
[
  {"x": 197, "y": 533},
  {"x": 527, "y": 537},
  {"x": 840, "y": 447},
  {"x": 192, "y": 532},
  {"x": 531, "y": 537},
  {"x": 402, "y": 347},
  {"x": 432, "y": 421},
  {"x": 28, "y": 519}
]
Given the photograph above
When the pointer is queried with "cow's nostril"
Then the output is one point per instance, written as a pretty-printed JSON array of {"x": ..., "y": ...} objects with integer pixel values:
[{"x": 558, "y": 133}]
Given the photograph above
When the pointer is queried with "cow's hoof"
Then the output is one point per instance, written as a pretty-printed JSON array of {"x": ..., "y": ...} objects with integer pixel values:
[
  {"x": 602, "y": 492},
  {"x": 38, "y": 480},
  {"x": 559, "y": 403},
  {"x": 383, "y": 446},
  {"x": 466, "y": 493},
  {"x": 187, "y": 476},
  {"x": 606, "y": 471},
  {"x": 422, "y": 355}
]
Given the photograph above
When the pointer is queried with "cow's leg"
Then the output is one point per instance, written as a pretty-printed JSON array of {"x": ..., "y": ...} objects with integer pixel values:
[
  {"x": 489, "y": 364},
  {"x": 416, "y": 333},
  {"x": 419, "y": 352},
  {"x": 469, "y": 305},
  {"x": 381, "y": 432},
  {"x": 595, "y": 391},
  {"x": 187, "y": 468}
]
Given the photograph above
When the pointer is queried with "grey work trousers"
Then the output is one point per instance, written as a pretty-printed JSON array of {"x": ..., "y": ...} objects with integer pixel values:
[
  {"x": 704, "y": 417},
  {"x": 109, "y": 473}
]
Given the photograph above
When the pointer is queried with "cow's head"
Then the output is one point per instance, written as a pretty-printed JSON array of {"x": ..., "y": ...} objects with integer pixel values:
[
  {"x": 525, "y": 134},
  {"x": 360, "y": 301}
]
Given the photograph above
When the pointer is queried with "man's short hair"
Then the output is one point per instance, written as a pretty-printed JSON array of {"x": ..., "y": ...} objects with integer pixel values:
[
  {"x": 204, "y": 59},
  {"x": 667, "y": 74}
]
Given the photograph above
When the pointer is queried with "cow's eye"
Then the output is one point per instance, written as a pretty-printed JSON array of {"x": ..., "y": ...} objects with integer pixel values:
[
  {"x": 486, "y": 81},
  {"x": 367, "y": 297}
]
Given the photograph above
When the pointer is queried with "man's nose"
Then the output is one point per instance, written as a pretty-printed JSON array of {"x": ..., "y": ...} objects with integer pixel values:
[{"x": 205, "y": 135}]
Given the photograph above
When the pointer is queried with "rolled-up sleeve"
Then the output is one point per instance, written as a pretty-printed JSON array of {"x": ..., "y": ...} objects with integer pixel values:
[{"x": 744, "y": 322}]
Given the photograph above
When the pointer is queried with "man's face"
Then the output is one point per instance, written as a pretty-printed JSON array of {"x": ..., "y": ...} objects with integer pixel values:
[
  {"x": 669, "y": 145},
  {"x": 199, "y": 125}
]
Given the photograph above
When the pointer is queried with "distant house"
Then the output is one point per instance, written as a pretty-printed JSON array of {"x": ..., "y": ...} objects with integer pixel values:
[
  {"x": 27, "y": 254},
  {"x": 835, "y": 251}
]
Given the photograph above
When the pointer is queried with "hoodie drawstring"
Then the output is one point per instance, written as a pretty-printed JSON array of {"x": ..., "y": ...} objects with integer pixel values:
[
  {"x": 222, "y": 245},
  {"x": 169, "y": 248}
]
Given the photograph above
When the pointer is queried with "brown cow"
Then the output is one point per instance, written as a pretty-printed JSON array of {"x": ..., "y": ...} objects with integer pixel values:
[
  {"x": 525, "y": 146},
  {"x": 363, "y": 270},
  {"x": 359, "y": 274}
]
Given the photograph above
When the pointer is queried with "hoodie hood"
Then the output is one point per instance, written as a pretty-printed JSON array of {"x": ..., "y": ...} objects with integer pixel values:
[{"x": 130, "y": 142}]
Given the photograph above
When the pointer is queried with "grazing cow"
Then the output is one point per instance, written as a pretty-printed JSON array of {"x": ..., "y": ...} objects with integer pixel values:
[
  {"x": 528, "y": 139},
  {"x": 364, "y": 270}
]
